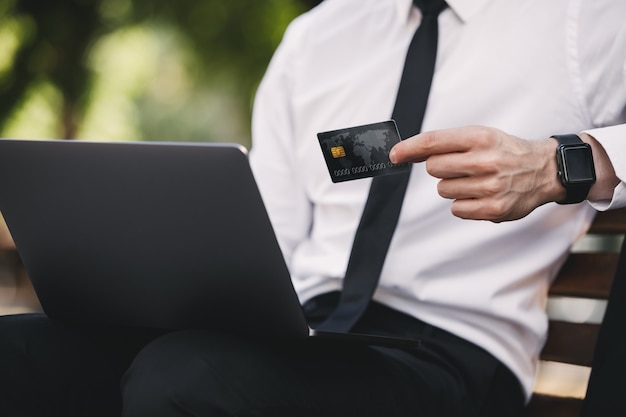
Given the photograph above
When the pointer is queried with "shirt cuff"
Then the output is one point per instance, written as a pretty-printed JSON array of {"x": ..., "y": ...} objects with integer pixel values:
[
  {"x": 613, "y": 140},
  {"x": 618, "y": 200}
]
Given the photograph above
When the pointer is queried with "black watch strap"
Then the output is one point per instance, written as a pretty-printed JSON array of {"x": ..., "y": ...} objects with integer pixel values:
[
  {"x": 577, "y": 189},
  {"x": 570, "y": 139}
]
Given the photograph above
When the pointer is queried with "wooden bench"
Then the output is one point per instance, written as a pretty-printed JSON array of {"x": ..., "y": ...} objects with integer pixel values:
[{"x": 585, "y": 275}]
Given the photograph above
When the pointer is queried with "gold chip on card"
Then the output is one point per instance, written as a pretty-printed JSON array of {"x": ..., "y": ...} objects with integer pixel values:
[{"x": 338, "y": 152}]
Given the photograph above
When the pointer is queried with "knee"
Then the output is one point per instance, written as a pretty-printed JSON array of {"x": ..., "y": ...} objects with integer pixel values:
[{"x": 180, "y": 372}]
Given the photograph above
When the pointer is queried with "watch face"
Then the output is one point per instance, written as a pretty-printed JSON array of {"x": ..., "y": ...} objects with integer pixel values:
[{"x": 578, "y": 164}]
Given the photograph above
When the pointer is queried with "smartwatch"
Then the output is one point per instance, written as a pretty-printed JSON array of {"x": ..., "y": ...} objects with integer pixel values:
[{"x": 575, "y": 167}]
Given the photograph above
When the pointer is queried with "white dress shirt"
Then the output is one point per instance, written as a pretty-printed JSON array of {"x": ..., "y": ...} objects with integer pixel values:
[{"x": 530, "y": 68}]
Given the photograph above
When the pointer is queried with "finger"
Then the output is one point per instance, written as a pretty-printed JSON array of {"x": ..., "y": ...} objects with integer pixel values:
[
  {"x": 474, "y": 187},
  {"x": 482, "y": 209},
  {"x": 458, "y": 188},
  {"x": 418, "y": 148},
  {"x": 451, "y": 165},
  {"x": 464, "y": 164},
  {"x": 469, "y": 209}
]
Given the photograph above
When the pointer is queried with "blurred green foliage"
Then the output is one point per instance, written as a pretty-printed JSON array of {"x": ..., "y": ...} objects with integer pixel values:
[{"x": 136, "y": 70}]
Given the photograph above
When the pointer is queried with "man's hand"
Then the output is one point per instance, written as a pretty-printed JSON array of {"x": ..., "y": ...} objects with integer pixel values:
[{"x": 489, "y": 174}]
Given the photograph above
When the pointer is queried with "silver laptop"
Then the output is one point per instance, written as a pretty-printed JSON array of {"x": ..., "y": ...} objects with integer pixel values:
[{"x": 159, "y": 235}]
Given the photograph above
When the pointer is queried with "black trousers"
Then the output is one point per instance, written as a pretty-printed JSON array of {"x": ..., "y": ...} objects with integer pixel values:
[{"x": 51, "y": 368}]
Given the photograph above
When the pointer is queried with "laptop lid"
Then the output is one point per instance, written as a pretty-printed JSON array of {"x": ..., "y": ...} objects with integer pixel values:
[{"x": 163, "y": 235}]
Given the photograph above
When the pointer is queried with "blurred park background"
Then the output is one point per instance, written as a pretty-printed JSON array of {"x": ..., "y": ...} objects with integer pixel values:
[
  {"x": 117, "y": 70},
  {"x": 129, "y": 70}
]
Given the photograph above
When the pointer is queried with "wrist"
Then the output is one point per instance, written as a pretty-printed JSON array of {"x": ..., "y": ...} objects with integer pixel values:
[{"x": 553, "y": 189}]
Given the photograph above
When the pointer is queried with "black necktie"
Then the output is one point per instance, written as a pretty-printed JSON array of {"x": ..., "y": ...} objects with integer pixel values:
[{"x": 382, "y": 209}]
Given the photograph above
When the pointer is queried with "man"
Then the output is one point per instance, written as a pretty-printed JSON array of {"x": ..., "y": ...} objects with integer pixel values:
[{"x": 508, "y": 76}]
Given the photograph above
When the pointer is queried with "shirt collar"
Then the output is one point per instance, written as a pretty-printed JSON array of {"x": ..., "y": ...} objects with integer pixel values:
[{"x": 464, "y": 9}]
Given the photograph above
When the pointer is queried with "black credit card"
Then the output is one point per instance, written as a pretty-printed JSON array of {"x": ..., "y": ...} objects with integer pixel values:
[{"x": 361, "y": 151}]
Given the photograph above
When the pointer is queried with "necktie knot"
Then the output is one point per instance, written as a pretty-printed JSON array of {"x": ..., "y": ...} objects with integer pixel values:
[{"x": 430, "y": 8}]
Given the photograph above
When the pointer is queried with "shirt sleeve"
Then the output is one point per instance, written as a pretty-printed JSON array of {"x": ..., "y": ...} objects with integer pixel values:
[
  {"x": 613, "y": 139},
  {"x": 271, "y": 155},
  {"x": 603, "y": 81}
]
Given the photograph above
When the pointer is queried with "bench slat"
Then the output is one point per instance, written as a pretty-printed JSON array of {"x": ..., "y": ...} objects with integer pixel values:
[
  {"x": 586, "y": 275},
  {"x": 609, "y": 222},
  {"x": 571, "y": 343}
]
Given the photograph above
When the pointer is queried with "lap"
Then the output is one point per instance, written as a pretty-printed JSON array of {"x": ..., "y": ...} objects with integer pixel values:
[
  {"x": 208, "y": 373},
  {"x": 50, "y": 368},
  {"x": 199, "y": 371}
]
